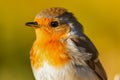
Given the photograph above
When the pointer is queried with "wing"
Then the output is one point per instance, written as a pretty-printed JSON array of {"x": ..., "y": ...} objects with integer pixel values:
[{"x": 93, "y": 63}]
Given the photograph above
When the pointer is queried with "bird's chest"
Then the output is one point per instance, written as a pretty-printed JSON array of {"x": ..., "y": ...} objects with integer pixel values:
[
  {"x": 50, "y": 61},
  {"x": 53, "y": 52}
]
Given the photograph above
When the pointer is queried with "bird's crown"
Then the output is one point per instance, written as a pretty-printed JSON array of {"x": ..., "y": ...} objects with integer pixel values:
[{"x": 51, "y": 12}]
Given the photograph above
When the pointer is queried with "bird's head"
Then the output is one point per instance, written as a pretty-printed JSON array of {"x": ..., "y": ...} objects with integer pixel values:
[{"x": 55, "y": 23}]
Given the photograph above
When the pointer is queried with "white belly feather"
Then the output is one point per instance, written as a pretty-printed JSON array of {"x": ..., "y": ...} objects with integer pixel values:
[{"x": 68, "y": 72}]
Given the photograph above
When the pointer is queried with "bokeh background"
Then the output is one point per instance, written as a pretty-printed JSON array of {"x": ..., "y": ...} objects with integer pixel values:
[{"x": 100, "y": 18}]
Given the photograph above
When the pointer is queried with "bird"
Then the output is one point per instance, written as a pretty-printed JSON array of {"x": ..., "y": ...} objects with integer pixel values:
[{"x": 61, "y": 50}]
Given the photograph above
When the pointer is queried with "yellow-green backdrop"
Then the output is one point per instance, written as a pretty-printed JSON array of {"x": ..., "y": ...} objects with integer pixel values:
[{"x": 100, "y": 18}]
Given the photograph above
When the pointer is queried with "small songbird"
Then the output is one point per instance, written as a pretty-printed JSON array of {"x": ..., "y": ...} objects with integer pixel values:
[{"x": 61, "y": 50}]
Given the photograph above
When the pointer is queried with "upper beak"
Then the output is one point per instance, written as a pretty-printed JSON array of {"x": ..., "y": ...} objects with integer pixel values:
[{"x": 32, "y": 24}]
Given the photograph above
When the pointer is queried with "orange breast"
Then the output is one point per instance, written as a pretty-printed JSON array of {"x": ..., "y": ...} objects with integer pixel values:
[{"x": 53, "y": 52}]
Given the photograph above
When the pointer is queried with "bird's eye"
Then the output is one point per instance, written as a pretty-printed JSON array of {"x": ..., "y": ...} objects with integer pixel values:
[{"x": 54, "y": 24}]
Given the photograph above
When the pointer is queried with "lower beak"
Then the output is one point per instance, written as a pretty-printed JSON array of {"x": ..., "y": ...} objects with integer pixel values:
[{"x": 32, "y": 24}]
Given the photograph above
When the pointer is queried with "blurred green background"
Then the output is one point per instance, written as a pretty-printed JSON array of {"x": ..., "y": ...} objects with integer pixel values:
[{"x": 100, "y": 18}]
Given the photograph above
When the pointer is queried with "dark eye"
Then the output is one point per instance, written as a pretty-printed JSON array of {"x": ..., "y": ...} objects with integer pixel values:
[{"x": 54, "y": 24}]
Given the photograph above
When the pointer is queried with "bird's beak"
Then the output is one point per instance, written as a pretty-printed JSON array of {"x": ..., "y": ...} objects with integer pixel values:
[{"x": 32, "y": 24}]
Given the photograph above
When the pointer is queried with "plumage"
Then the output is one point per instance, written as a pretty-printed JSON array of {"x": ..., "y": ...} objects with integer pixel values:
[
  {"x": 93, "y": 62},
  {"x": 63, "y": 51},
  {"x": 51, "y": 12}
]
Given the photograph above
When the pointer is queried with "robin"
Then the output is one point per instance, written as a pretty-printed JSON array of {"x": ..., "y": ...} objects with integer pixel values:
[{"x": 61, "y": 50}]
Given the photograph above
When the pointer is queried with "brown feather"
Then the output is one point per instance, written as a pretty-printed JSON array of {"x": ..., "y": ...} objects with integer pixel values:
[
  {"x": 96, "y": 66},
  {"x": 51, "y": 12}
]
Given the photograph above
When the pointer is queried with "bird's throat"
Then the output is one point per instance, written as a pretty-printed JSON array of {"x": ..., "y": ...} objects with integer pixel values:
[{"x": 52, "y": 51}]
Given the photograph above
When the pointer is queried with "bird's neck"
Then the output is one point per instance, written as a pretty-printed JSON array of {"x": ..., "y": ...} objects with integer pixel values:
[{"x": 50, "y": 50}]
